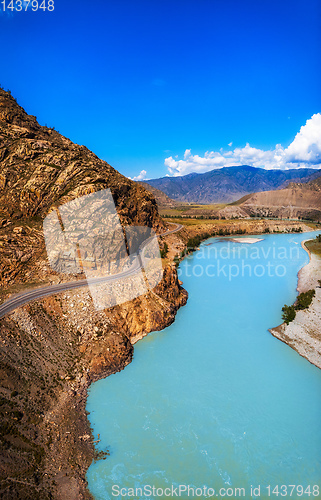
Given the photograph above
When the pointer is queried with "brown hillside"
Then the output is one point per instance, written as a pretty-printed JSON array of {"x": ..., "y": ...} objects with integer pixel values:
[
  {"x": 39, "y": 169},
  {"x": 297, "y": 200}
]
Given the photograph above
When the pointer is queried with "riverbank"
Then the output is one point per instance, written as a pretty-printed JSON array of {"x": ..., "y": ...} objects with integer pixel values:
[
  {"x": 303, "y": 334},
  {"x": 236, "y": 228}
]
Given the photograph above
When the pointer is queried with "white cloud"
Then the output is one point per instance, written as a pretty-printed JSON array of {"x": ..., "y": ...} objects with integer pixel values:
[
  {"x": 230, "y": 144},
  {"x": 306, "y": 146},
  {"x": 304, "y": 151},
  {"x": 140, "y": 177}
]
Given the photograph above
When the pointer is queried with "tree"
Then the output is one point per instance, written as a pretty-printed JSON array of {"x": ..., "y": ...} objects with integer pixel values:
[
  {"x": 288, "y": 314},
  {"x": 176, "y": 260},
  {"x": 304, "y": 300},
  {"x": 164, "y": 250}
]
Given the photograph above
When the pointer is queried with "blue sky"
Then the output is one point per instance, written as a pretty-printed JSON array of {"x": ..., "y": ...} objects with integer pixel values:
[{"x": 149, "y": 84}]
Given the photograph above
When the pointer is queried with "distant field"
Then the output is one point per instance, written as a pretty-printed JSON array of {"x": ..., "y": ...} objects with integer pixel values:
[
  {"x": 192, "y": 210},
  {"x": 196, "y": 222},
  {"x": 313, "y": 225},
  {"x": 213, "y": 222}
]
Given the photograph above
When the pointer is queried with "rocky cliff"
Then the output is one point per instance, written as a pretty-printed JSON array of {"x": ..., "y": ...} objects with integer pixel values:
[
  {"x": 52, "y": 349},
  {"x": 41, "y": 169}
]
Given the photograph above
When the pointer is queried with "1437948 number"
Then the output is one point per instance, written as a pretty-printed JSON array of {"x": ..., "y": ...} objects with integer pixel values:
[
  {"x": 295, "y": 490},
  {"x": 24, "y": 5}
]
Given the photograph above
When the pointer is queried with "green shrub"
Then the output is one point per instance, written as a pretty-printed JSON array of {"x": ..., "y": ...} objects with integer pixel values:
[
  {"x": 304, "y": 300},
  {"x": 288, "y": 314},
  {"x": 192, "y": 243}
]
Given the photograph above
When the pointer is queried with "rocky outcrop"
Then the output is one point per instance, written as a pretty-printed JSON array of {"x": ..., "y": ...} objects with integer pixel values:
[{"x": 40, "y": 169}]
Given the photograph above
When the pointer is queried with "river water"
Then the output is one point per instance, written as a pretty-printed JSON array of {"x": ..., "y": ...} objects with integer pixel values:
[{"x": 214, "y": 400}]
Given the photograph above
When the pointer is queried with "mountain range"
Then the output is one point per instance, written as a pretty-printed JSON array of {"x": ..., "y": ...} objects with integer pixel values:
[{"x": 228, "y": 184}]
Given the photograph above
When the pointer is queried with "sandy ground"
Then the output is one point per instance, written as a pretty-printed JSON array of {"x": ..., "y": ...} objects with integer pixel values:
[
  {"x": 304, "y": 333},
  {"x": 247, "y": 240}
]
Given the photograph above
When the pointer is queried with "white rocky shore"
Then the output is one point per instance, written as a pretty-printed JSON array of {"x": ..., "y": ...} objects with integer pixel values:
[
  {"x": 249, "y": 241},
  {"x": 304, "y": 333}
]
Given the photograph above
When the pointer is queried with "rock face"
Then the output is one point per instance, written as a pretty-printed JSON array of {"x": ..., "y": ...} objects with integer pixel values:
[
  {"x": 51, "y": 350},
  {"x": 162, "y": 199},
  {"x": 297, "y": 200},
  {"x": 228, "y": 184},
  {"x": 40, "y": 169}
]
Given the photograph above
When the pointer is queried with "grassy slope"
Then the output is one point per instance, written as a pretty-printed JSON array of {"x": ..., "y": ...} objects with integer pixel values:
[{"x": 314, "y": 246}]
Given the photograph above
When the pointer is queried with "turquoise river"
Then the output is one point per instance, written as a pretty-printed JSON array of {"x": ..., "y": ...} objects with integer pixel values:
[{"x": 214, "y": 402}]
